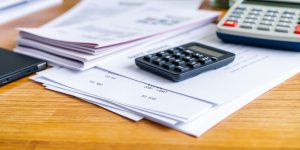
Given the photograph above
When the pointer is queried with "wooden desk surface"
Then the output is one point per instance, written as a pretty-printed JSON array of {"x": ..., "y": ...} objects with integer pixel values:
[{"x": 32, "y": 118}]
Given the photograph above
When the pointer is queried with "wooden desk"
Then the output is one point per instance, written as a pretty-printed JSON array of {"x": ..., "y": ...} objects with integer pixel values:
[{"x": 34, "y": 118}]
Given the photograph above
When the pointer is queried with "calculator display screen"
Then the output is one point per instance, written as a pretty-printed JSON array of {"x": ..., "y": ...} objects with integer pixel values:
[
  {"x": 275, "y": 3},
  {"x": 206, "y": 51}
]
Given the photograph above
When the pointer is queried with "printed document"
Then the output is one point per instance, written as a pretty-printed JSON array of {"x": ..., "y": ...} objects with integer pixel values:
[
  {"x": 95, "y": 10},
  {"x": 250, "y": 75},
  {"x": 204, "y": 86},
  {"x": 82, "y": 57},
  {"x": 134, "y": 25}
]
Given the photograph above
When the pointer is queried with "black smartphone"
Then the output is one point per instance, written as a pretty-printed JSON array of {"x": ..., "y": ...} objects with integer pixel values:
[{"x": 14, "y": 66}]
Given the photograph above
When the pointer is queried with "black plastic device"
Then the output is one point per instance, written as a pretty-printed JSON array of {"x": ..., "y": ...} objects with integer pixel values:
[
  {"x": 186, "y": 61},
  {"x": 14, "y": 66}
]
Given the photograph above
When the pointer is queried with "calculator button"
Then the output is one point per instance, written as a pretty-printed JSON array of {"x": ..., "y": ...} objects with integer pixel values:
[
  {"x": 289, "y": 12},
  {"x": 267, "y": 18},
  {"x": 297, "y": 30},
  {"x": 271, "y": 14},
  {"x": 194, "y": 64},
  {"x": 204, "y": 60},
  {"x": 257, "y": 9},
  {"x": 255, "y": 13},
  {"x": 188, "y": 59},
  {"x": 238, "y": 12},
  {"x": 188, "y": 52},
  {"x": 168, "y": 66},
  {"x": 171, "y": 50},
  {"x": 252, "y": 17},
  {"x": 197, "y": 55},
  {"x": 162, "y": 54},
  {"x": 168, "y": 58},
  {"x": 268, "y": 23},
  {"x": 233, "y": 19},
  {"x": 180, "y": 48},
  {"x": 247, "y": 26},
  {"x": 181, "y": 69},
  {"x": 241, "y": 8},
  {"x": 178, "y": 62},
  {"x": 178, "y": 55},
  {"x": 158, "y": 61},
  {"x": 149, "y": 57},
  {"x": 273, "y": 11},
  {"x": 236, "y": 15},
  {"x": 288, "y": 16},
  {"x": 283, "y": 24},
  {"x": 286, "y": 20},
  {"x": 282, "y": 29},
  {"x": 250, "y": 21},
  {"x": 264, "y": 28},
  {"x": 230, "y": 23}
]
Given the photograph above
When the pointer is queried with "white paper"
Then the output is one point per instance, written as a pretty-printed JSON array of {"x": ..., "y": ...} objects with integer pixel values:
[
  {"x": 134, "y": 25},
  {"x": 82, "y": 61},
  {"x": 238, "y": 78},
  {"x": 213, "y": 116},
  {"x": 82, "y": 58},
  {"x": 129, "y": 112},
  {"x": 110, "y": 87},
  {"x": 92, "y": 10}
]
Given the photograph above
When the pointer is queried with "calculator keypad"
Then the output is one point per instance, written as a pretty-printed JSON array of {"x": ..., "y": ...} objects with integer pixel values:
[
  {"x": 179, "y": 59},
  {"x": 186, "y": 61},
  {"x": 264, "y": 19}
]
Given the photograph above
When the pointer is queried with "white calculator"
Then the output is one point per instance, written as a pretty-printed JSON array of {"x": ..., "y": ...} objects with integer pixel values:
[{"x": 265, "y": 23}]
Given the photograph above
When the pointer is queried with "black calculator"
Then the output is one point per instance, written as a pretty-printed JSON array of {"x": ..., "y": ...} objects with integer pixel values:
[{"x": 185, "y": 61}]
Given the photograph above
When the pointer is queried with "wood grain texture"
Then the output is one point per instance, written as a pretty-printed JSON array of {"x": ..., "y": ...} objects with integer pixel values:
[{"x": 32, "y": 118}]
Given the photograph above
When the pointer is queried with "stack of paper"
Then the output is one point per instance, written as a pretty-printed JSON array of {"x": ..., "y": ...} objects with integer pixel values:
[
  {"x": 12, "y": 9},
  {"x": 134, "y": 28},
  {"x": 192, "y": 106},
  {"x": 88, "y": 42}
]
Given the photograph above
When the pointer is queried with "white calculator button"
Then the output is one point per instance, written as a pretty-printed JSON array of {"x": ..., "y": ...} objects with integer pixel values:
[
  {"x": 233, "y": 19},
  {"x": 241, "y": 8},
  {"x": 264, "y": 27},
  {"x": 257, "y": 9},
  {"x": 247, "y": 26},
  {"x": 282, "y": 29},
  {"x": 255, "y": 13},
  {"x": 268, "y": 23},
  {"x": 273, "y": 11},
  {"x": 271, "y": 15},
  {"x": 252, "y": 17},
  {"x": 235, "y": 16},
  {"x": 289, "y": 12},
  {"x": 289, "y": 16},
  {"x": 285, "y": 20},
  {"x": 269, "y": 18},
  {"x": 237, "y": 12},
  {"x": 250, "y": 21},
  {"x": 283, "y": 24}
]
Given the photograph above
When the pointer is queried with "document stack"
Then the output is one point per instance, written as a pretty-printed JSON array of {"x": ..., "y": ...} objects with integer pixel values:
[
  {"x": 88, "y": 42},
  {"x": 192, "y": 106}
]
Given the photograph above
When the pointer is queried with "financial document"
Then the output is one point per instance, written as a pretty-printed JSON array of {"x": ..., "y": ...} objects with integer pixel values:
[
  {"x": 89, "y": 16},
  {"x": 127, "y": 27},
  {"x": 101, "y": 87},
  {"x": 91, "y": 10},
  {"x": 259, "y": 61}
]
